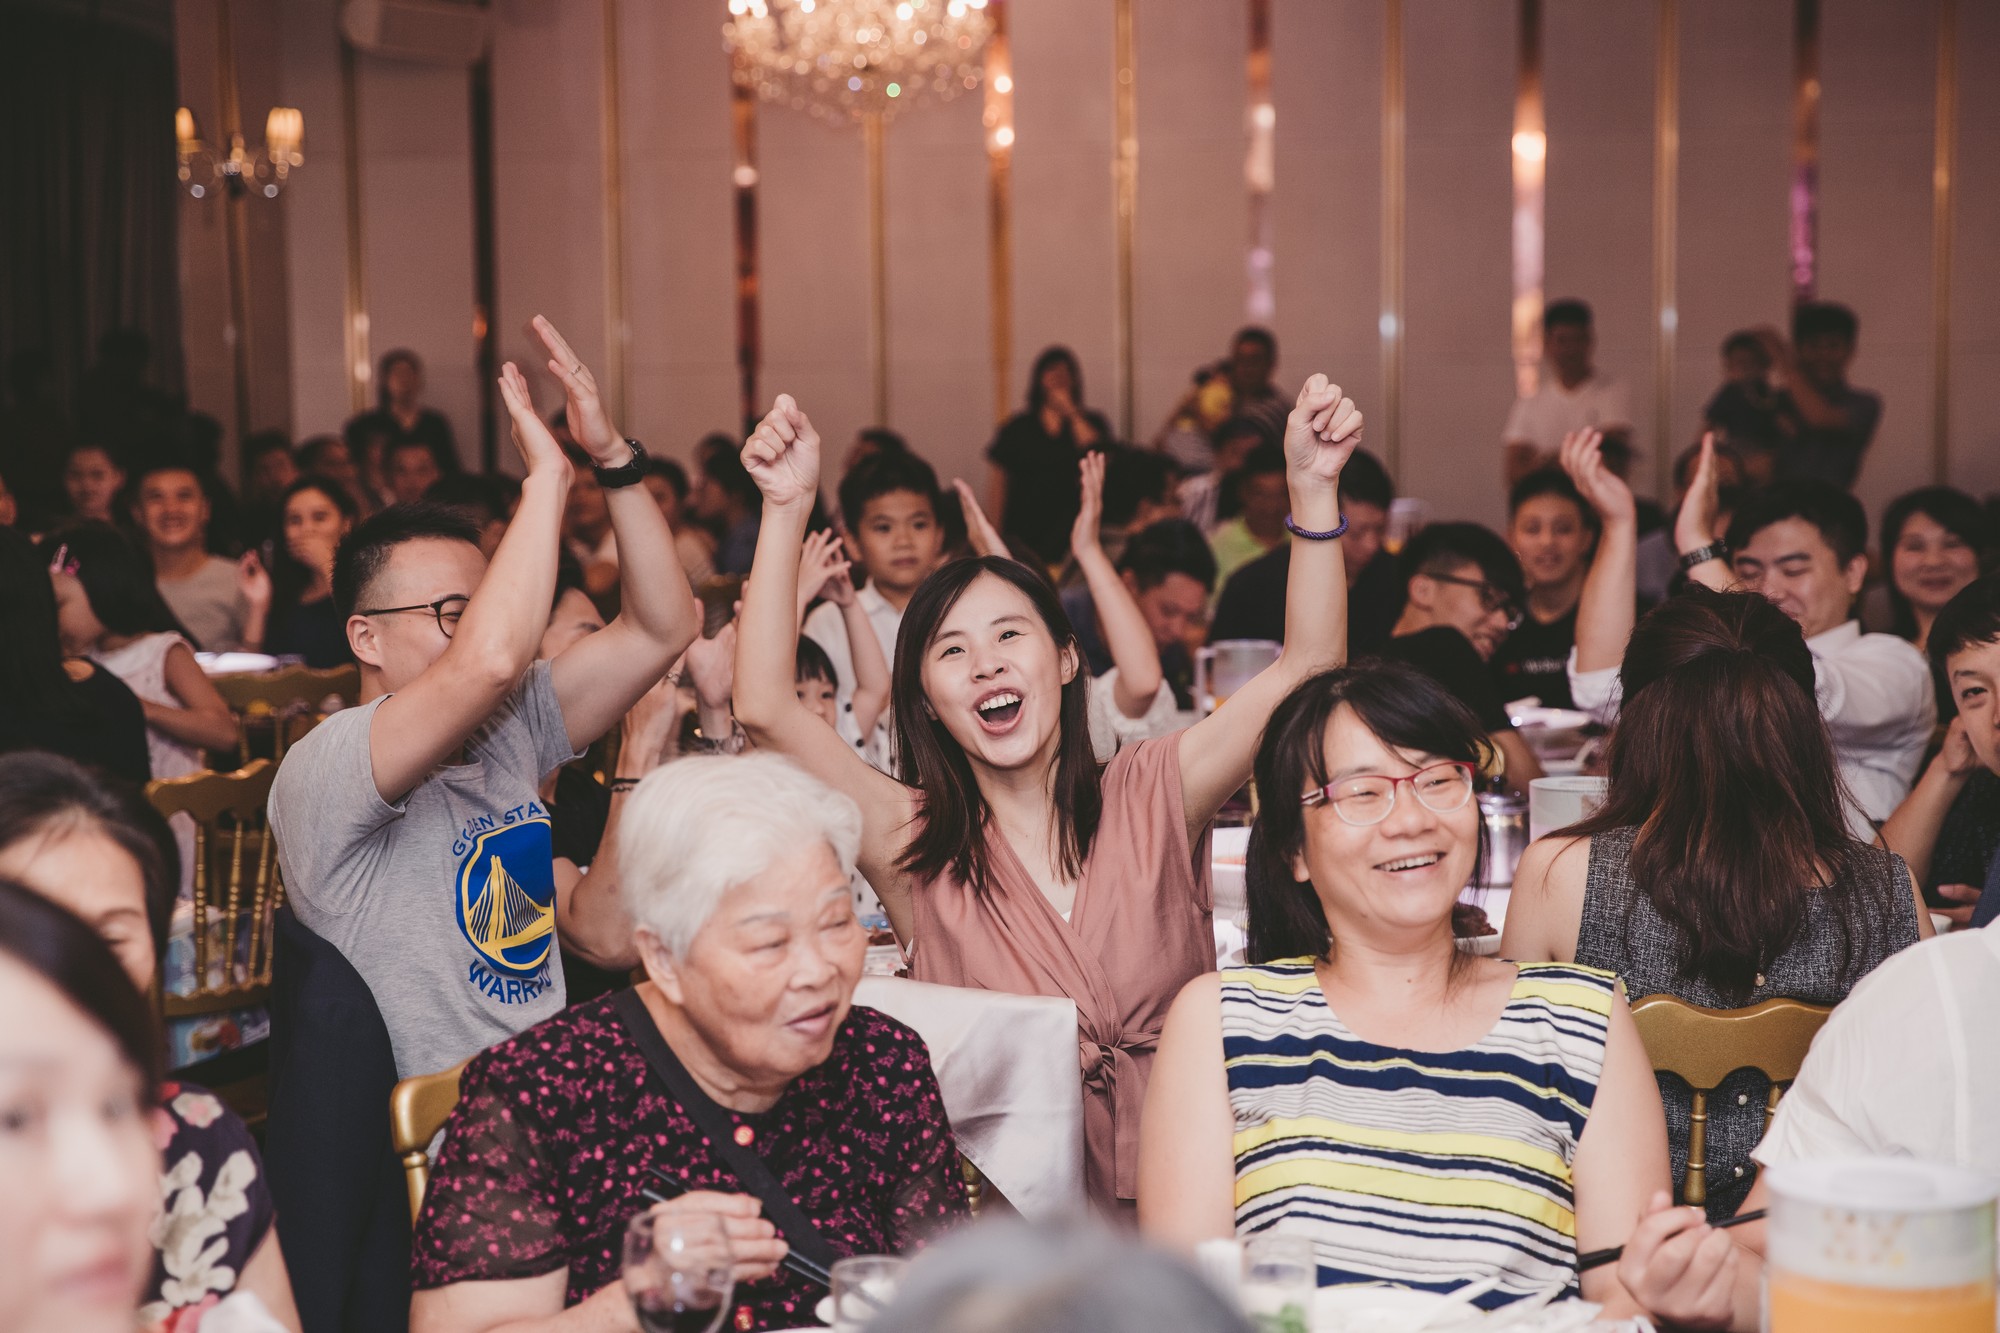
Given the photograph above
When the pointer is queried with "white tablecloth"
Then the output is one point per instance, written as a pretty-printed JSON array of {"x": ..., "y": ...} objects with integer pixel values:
[{"x": 1008, "y": 1069}]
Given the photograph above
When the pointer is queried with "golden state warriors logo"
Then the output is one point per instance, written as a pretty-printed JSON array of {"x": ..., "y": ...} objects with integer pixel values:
[{"x": 507, "y": 896}]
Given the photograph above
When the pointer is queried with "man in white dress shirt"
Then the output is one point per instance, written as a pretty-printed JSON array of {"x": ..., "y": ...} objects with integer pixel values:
[
  {"x": 1802, "y": 544},
  {"x": 1573, "y": 397}
]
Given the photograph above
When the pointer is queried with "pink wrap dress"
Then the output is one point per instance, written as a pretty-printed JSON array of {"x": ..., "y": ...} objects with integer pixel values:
[{"x": 1139, "y": 929}]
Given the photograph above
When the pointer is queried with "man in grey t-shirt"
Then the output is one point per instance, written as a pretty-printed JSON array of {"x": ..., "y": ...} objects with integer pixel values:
[{"x": 409, "y": 828}]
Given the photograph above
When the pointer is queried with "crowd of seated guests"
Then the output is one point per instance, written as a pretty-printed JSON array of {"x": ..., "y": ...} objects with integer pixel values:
[{"x": 977, "y": 726}]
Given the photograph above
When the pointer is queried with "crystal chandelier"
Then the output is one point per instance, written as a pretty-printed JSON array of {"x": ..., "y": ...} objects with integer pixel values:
[
  {"x": 237, "y": 169},
  {"x": 846, "y": 59}
]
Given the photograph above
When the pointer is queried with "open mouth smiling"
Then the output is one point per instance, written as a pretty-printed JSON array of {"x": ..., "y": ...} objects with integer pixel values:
[{"x": 999, "y": 711}]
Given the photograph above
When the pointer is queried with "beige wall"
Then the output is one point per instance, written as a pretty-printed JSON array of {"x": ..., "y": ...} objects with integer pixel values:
[{"x": 1192, "y": 223}]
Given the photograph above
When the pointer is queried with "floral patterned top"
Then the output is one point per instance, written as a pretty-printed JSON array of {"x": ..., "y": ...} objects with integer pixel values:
[
  {"x": 215, "y": 1206},
  {"x": 547, "y": 1155}
]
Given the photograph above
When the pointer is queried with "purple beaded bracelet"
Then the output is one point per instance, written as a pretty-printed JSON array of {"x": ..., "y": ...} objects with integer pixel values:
[{"x": 1292, "y": 527}]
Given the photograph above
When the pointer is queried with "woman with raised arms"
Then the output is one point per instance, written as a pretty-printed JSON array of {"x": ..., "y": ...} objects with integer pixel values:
[{"x": 1006, "y": 858}]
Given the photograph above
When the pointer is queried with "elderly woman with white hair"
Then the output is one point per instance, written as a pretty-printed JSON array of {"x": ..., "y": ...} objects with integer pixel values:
[{"x": 735, "y": 871}]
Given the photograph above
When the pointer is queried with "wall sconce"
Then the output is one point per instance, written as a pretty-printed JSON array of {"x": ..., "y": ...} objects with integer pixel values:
[{"x": 239, "y": 170}]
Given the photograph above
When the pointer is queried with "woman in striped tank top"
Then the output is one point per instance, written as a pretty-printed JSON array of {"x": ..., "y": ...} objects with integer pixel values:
[{"x": 1426, "y": 1117}]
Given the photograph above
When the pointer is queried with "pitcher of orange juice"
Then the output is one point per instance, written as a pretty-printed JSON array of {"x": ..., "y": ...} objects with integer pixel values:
[{"x": 1879, "y": 1245}]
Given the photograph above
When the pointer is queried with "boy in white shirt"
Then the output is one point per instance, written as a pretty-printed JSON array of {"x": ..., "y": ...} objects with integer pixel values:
[{"x": 890, "y": 506}]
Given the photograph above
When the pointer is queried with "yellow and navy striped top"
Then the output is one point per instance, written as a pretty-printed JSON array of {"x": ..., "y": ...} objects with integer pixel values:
[{"x": 1415, "y": 1168}]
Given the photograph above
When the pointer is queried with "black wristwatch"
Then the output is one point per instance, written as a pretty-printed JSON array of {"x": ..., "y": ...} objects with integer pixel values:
[
  {"x": 1701, "y": 555},
  {"x": 611, "y": 478}
]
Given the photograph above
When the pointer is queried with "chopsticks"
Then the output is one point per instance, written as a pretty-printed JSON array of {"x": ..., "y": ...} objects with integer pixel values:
[
  {"x": 793, "y": 1260},
  {"x": 1599, "y": 1258}
]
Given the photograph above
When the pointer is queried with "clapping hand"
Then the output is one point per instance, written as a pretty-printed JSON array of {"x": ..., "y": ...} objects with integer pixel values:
[
  {"x": 584, "y": 409},
  {"x": 1090, "y": 509},
  {"x": 1694, "y": 526},
  {"x": 651, "y": 726},
  {"x": 824, "y": 570},
  {"x": 979, "y": 529},
  {"x": 1582, "y": 457},
  {"x": 538, "y": 447},
  {"x": 253, "y": 581},
  {"x": 1322, "y": 432},
  {"x": 711, "y": 667},
  {"x": 782, "y": 455}
]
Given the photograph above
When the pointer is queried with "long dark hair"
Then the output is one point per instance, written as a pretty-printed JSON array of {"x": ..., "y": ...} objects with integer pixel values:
[
  {"x": 1406, "y": 709},
  {"x": 40, "y": 792},
  {"x": 950, "y": 834},
  {"x": 32, "y": 678},
  {"x": 290, "y": 578},
  {"x": 68, "y": 954},
  {"x": 1721, "y": 761},
  {"x": 116, "y": 576},
  {"x": 1054, "y": 356},
  {"x": 1951, "y": 509}
]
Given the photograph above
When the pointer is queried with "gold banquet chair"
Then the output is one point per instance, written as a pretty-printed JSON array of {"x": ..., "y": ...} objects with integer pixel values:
[
  {"x": 290, "y": 701},
  {"x": 1705, "y": 1046},
  {"x": 237, "y": 887},
  {"x": 418, "y": 1108}
]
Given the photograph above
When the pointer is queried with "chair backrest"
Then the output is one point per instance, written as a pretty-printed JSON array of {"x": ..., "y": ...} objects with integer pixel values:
[
  {"x": 290, "y": 701},
  {"x": 236, "y": 883},
  {"x": 1705, "y": 1046},
  {"x": 418, "y": 1109}
]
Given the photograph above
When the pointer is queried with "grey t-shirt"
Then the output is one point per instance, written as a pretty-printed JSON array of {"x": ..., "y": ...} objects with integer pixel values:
[
  {"x": 208, "y": 605},
  {"x": 446, "y": 903}
]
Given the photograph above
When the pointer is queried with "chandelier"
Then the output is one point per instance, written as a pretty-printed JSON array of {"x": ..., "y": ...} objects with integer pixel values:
[
  {"x": 843, "y": 60},
  {"x": 238, "y": 169}
]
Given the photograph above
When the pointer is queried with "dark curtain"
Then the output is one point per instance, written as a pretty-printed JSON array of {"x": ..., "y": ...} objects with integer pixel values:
[{"x": 87, "y": 209}]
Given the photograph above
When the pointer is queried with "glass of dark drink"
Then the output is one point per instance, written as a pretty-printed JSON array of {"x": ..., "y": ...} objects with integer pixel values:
[{"x": 678, "y": 1271}]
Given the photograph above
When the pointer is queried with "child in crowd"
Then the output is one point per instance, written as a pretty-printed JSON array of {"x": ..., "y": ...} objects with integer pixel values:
[
  {"x": 890, "y": 504},
  {"x": 92, "y": 479},
  {"x": 109, "y": 609},
  {"x": 862, "y": 720}
]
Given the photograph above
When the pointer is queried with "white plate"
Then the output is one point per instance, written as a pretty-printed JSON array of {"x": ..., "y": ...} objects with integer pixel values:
[
  {"x": 1550, "y": 719},
  {"x": 1394, "y": 1310},
  {"x": 230, "y": 664}
]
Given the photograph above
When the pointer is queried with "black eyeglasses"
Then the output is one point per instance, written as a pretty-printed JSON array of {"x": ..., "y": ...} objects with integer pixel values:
[
  {"x": 446, "y": 610},
  {"x": 1491, "y": 598}
]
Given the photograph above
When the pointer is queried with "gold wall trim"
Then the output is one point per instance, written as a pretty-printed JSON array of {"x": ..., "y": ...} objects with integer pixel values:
[
  {"x": 1943, "y": 170},
  {"x": 749, "y": 333},
  {"x": 485, "y": 260},
  {"x": 617, "y": 335},
  {"x": 235, "y": 225},
  {"x": 1805, "y": 149},
  {"x": 1260, "y": 303},
  {"x": 1394, "y": 136},
  {"x": 355, "y": 333},
  {"x": 1666, "y": 236},
  {"x": 1125, "y": 179},
  {"x": 873, "y": 132},
  {"x": 1529, "y": 162},
  {"x": 998, "y": 119}
]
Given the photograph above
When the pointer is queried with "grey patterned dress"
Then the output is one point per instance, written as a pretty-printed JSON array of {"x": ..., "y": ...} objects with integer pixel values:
[{"x": 1624, "y": 933}]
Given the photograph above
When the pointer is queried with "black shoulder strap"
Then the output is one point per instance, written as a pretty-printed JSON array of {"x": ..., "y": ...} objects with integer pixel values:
[{"x": 713, "y": 1121}]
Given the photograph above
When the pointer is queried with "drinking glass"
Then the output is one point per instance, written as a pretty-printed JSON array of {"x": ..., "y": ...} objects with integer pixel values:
[
  {"x": 1280, "y": 1275},
  {"x": 863, "y": 1285},
  {"x": 1865, "y": 1245},
  {"x": 1407, "y": 517},
  {"x": 678, "y": 1272}
]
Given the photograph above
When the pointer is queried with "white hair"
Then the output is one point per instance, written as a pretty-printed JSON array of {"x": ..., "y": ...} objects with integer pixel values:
[{"x": 696, "y": 828}]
